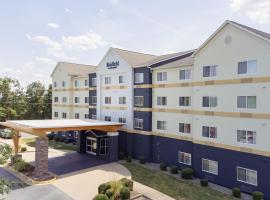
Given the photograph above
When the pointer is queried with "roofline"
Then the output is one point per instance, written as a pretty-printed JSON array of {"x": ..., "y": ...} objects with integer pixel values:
[
  {"x": 221, "y": 27},
  {"x": 134, "y": 51}
]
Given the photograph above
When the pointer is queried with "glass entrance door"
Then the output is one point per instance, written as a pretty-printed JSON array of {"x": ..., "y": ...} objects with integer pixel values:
[{"x": 91, "y": 145}]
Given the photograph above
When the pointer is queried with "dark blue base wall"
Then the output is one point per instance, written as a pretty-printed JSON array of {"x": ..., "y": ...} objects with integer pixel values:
[{"x": 161, "y": 149}]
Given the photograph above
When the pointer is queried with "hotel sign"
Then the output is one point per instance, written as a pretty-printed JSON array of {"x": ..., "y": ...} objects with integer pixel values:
[{"x": 112, "y": 64}]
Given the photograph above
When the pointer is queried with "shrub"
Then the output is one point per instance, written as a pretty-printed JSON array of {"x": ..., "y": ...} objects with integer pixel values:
[
  {"x": 257, "y": 195},
  {"x": 50, "y": 136},
  {"x": 103, "y": 188},
  {"x": 236, "y": 192},
  {"x": 109, "y": 193},
  {"x": 174, "y": 169},
  {"x": 187, "y": 173},
  {"x": 204, "y": 182},
  {"x": 127, "y": 183},
  {"x": 142, "y": 160},
  {"x": 56, "y": 138},
  {"x": 124, "y": 193},
  {"x": 101, "y": 197},
  {"x": 163, "y": 166},
  {"x": 23, "y": 149},
  {"x": 121, "y": 156},
  {"x": 21, "y": 166},
  {"x": 129, "y": 159}
]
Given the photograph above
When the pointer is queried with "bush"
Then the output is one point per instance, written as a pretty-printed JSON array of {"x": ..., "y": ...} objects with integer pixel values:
[
  {"x": 257, "y": 195},
  {"x": 163, "y": 166},
  {"x": 187, "y": 173},
  {"x": 129, "y": 159},
  {"x": 23, "y": 149},
  {"x": 57, "y": 139},
  {"x": 124, "y": 193},
  {"x": 21, "y": 166},
  {"x": 50, "y": 136},
  {"x": 142, "y": 160},
  {"x": 6, "y": 134},
  {"x": 103, "y": 188},
  {"x": 127, "y": 183},
  {"x": 121, "y": 156},
  {"x": 101, "y": 197},
  {"x": 109, "y": 193},
  {"x": 204, "y": 182},
  {"x": 236, "y": 192},
  {"x": 174, "y": 169}
]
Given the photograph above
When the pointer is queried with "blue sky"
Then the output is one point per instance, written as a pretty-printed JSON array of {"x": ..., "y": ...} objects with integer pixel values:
[{"x": 36, "y": 34}]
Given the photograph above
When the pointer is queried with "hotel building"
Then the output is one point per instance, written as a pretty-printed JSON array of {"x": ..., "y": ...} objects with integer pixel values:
[{"x": 207, "y": 108}]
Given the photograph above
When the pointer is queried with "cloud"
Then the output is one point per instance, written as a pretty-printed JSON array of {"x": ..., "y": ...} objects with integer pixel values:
[
  {"x": 115, "y": 2},
  {"x": 44, "y": 60},
  {"x": 53, "y": 25},
  {"x": 256, "y": 10},
  {"x": 67, "y": 10}
]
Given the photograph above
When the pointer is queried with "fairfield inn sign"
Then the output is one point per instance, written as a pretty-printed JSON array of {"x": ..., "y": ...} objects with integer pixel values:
[{"x": 112, "y": 64}]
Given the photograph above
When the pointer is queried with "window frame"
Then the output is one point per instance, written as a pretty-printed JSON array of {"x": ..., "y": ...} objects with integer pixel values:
[
  {"x": 162, "y": 125},
  {"x": 55, "y": 114},
  {"x": 107, "y": 102},
  {"x": 107, "y": 117},
  {"x": 247, "y": 102},
  {"x": 122, "y": 100},
  {"x": 77, "y": 115},
  {"x": 141, "y": 100},
  {"x": 209, "y": 132},
  {"x": 212, "y": 101},
  {"x": 185, "y": 154},
  {"x": 162, "y": 76},
  {"x": 122, "y": 120},
  {"x": 186, "y": 101},
  {"x": 76, "y": 99},
  {"x": 138, "y": 121},
  {"x": 105, "y": 146},
  {"x": 185, "y": 128},
  {"x": 94, "y": 100},
  {"x": 94, "y": 82},
  {"x": 107, "y": 80},
  {"x": 121, "y": 79},
  {"x": 162, "y": 100},
  {"x": 185, "y": 74},
  {"x": 212, "y": 71},
  {"x": 246, "y": 174},
  {"x": 248, "y": 70},
  {"x": 212, "y": 161},
  {"x": 254, "y": 136},
  {"x": 140, "y": 76}
]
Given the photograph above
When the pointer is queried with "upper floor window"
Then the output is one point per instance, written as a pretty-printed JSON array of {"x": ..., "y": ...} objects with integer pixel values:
[
  {"x": 122, "y": 120},
  {"x": 209, "y": 101},
  {"x": 76, "y": 83},
  {"x": 161, "y": 125},
  {"x": 210, "y": 132},
  {"x": 122, "y": 100},
  {"x": 184, "y": 158},
  {"x": 248, "y": 137},
  {"x": 210, "y": 166},
  {"x": 77, "y": 115},
  {"x": 121, "y": 79},
  {"x": 138, "y": 78},
  {"x": 138, "y": 123},
  {"x": 94, "y": 100},
  {"x": 161, "y": 101},
  {"x": 55, "y": 84},
  {"x": 64, "y": 99},
  {"x": 185, "y": 74},
  {"x": 184, "y": 128},
  {"x": 247, "y": 67},
  {"x": 210, "y": 71},
  {"x": 63, "y": 83},
  {"x": 108, "y": 118},
  {"x": 86, "y": 99},
  {"x": 64, "y": 115},
  {"x": 94, "y": 82},
  {"x": 138, "y": 100},
  {"x": 55, "y": 99},
  {"x": 55, "y": 114},
  {"x": 184, "y": 101},
  {"x": 108, "y": 80},
  {"x": 108, "y": 100},
  {"x": 247, "y": 176},
  {"x": 77, "y": 100},
  {"x": 86, "y": 116},
  {"x": 162, "y": 76},
  {"x": 246, "y": 101},
  {"x": 85, "y": 82}
]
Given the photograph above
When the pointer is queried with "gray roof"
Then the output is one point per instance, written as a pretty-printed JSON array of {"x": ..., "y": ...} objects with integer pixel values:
[{"x": 186, "y": 61}]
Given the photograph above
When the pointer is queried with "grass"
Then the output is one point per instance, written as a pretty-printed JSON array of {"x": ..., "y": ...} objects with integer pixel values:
[
  {"x": 52, "y": 144},
  {"x": 177, "y": 189}
]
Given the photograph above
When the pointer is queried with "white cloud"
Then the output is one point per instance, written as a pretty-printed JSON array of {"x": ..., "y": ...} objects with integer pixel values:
[
  {"x": 256, "y": 10},
  {"x": 115, "y": 2},
  {"x": 67, "y": 10},
  {"x": 53, "y": 25}
]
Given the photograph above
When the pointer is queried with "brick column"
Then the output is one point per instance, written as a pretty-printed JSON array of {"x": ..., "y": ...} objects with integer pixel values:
[{"x": 41, "y": 157}]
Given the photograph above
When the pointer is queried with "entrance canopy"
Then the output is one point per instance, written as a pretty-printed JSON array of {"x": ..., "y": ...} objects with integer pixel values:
[{"x": 41, "y": 127}]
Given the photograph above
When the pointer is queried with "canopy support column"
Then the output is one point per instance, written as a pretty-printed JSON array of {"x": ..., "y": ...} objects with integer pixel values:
[
  {"x": 16, "y": 138},
  {"x": 41, "y": 157}
]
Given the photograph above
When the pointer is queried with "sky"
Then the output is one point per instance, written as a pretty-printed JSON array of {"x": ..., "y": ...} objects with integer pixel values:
[{"x": 35, "y": 35}]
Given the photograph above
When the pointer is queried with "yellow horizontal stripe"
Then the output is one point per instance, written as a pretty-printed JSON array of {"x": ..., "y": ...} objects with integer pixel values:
[
  {"x": 115, "y": 87},
  {"x": 70, "y": 105},
  {"x": 113, "y": 108},
  {"x": 70, "y": 89}
]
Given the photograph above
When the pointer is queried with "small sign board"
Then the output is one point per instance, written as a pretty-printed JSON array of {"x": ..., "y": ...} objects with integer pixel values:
[{"x": 112, "y": 64}]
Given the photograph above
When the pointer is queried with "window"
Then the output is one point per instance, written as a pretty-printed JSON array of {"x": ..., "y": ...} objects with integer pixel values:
[
  {"x": 55, "y": 99},
  {"x": 184, "y": 128},
  {"x": 161, "y": 125},
  {"x": 138, "y": 101},
  {"x": 210, "y": 71},
  {"x": 122, "y": 120},
  {"x": 108, "y": 80},
  {"x": 108, "y": 100},
  {"x": 64, "y": 115},
  {"x": 247, "y": 176},
  {"x": 122, "y": 100},
  {"x": 94, "y": 82},
  {"x": 77, "y": 115},
  {"x": 86, "y": 116},
  {"x": 94, "y": 100},
  {"x": 210, "y": 166},
  {"x": 77, "y": 100},
  {"x": 103, "y": 146},
  {"x": 184, "y": 101},
  {"x": 76, "y": 83},
  {"x": 248, "y": 137},
  {"x": 64, "y": 99},
  {"x": 93, "y": 116},
  {"x": 162, "y": 76},
  {"x": 246, "y": 101},
  {"x": 210, "y": 132},
  {"x": 161, "y": 101},
  {"x": 85, "y": 82},
  {"x": 209, "y": 102},
  {"x": 184, "y": 158},
  {"x": 55, "y": 84},
  {"x": 185, "y": 74},
  {"x": 55, "y": 114},
  {"x": 247, "y": 67},
  {"x": 138, "y": 77},
  {"x": 121, "y": 79},
  {"x": 86, "y": 99},
  {"x": 138, "y": 123},
  {"x": 63, "y": 83},
  {"x": 108, "y": 118}
]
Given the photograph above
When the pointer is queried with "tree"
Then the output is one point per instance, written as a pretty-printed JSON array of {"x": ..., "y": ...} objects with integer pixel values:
[
  {"x": 48, "y": 103},
  {"x": 5, "y": 155}
]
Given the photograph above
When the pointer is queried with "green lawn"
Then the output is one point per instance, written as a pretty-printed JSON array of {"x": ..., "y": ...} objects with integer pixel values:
[
  {"x": 52, "y": 144},
  {"x": 177, "y": 189}
]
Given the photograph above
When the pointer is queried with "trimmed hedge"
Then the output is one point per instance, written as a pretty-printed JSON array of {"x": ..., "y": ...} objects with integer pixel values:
[
  {"x": 101, "y": 197},
  {"x": 23, "y": 149},
  {"x": 204, "y": 182},
  {"x": 236, "y": 192},
  {"x": 256, "y": 195},
  {"x": 187, "y": 173},
  {"x": 103, "y": 188},
  {"x": 163, "y": 166},
  {"x": 174, "y": 169},
  {"x": 124, "y": 193},
  {"x": 129, "y": 159},
  {"x": 142, "y": 160},
  {"x": 109, "y": 193},
  {"x": 127, "y": 183}
]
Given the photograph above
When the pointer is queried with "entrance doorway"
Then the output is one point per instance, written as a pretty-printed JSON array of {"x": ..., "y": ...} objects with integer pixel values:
[{"x": 91, "y": 145}]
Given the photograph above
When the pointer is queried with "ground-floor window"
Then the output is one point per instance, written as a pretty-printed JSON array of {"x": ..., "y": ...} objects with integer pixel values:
[
  {"x": 138, "y": 123},
  {"x": 122, "y": 120},
  {"x": 247, "y": 175},
  {"x": 210, "y": 166},
  {"x": 184, "y": 158},
  {"x": 103, "y": 149},
  {"x": 94, "y": 116},
  {"x": 161, "y": 125},
  {"x": 77, "y": 115},
  {"x": 108, "y": 118},
  {"x": 91, "y": 145}
]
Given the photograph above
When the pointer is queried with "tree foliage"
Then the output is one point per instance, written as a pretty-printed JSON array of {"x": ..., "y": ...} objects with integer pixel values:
[{"x": 5, "y": 153}]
